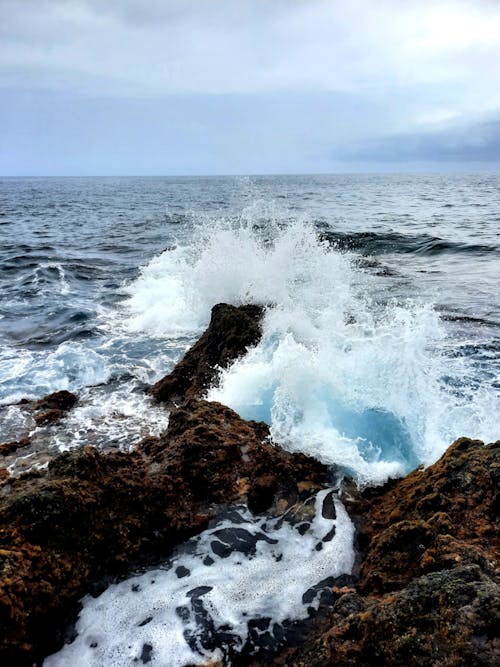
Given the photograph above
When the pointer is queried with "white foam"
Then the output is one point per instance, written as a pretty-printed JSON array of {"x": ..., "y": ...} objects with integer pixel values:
[
  {"x": 44, "y": 275},
  {"x": 104, "y": 419},
  {"x": 70, "y": 366},
  {"x": 15, "y": 423},
  {"x": 116, "y": 415},
  {"x": 269, "y": 583},
  {"x": 340, "y": 374}
]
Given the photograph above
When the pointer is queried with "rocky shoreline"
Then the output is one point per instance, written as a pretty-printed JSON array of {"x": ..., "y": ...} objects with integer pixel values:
[{"x": 425, "y": 586}]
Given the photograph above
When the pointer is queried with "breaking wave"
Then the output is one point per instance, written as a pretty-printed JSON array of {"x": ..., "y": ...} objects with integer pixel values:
[{"x": 343, "y": 372}]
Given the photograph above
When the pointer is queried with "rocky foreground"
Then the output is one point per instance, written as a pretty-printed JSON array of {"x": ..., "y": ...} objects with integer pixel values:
[{"x": 425, "y": 587}]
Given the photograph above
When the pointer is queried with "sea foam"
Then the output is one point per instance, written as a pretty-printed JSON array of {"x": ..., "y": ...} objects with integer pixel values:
[{"x": 233, "y": 584}]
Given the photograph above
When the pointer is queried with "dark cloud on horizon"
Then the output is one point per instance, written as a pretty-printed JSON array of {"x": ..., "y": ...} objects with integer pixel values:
[{"x": 473, "y": 143}]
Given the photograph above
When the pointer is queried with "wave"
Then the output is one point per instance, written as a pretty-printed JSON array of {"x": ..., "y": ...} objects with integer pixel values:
[
  {"x": 337, "y": 375},
  {"x": 375, "y": 243},
  {"x": 70, "y": 366}
]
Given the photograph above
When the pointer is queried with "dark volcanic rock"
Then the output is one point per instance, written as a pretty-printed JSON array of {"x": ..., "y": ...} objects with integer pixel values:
[
  {"x": 91, "y": 516},
  {"x": 232, "y": 330},
  {"x": 428, "y": 576},
  {"x": 446, "y": 618}
]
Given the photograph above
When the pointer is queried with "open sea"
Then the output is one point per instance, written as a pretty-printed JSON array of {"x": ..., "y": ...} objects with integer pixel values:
[{"x": 381, "y": 335}]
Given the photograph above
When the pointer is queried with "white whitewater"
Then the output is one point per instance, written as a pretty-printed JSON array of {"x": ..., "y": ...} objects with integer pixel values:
[{"x": 343, "y": 373}]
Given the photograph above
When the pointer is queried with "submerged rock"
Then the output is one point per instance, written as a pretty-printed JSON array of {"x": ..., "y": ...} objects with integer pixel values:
[
  {"x": 8, "y": 448},
  {"x": 26, "y": 450},
  {"x": 232, "y": 330},
  {"x": 92, "y": 516}
]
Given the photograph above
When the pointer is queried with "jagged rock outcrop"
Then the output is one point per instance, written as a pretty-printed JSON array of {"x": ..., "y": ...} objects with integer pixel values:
[
  {"x": 436, "y": 518},
  {"x": 8, "y": 448},
  {"x": 91, "y": 516},
  {"x": 232, "y": 330},
  {"x": 428, "y": 591}
]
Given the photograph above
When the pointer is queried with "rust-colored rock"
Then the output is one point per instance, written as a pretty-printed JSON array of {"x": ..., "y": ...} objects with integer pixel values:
[
  {"x": 91, "y": 516},
  {"x": 50, "y": 408},
  {"x": 439, "y": 517},
  {"x": 232, "y": 330},
  {"x": 58, "y": 400},
  {"x": 449, "y": 618}
]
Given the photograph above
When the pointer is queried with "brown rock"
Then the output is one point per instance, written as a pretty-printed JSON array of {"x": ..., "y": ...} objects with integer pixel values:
[
  {"x": 53, "y": 407},
  {"x": 428, "y": 571},
  {"x": 446, "y": 618},
  {"x": 59, "y": 400},
  {"x": 50, "y": 408},
  {"x": 232, "y": 330},
  {"x": 447, "y": 512}
]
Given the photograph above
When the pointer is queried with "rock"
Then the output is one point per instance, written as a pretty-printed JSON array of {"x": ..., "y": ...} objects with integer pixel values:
[
  {"x": 232, "y": 330},
  {"x": 92, "y": 516},
  {"x": 10, "y": 447},
  {"x": 59, "y": 400},
  {"x": 425, "y": 586},
  {"x": 52, "y": 407},
  {"x": 449, "y": 617},
  {"x": 439, "y": 517},
  {"x": 428, "y": 589}
]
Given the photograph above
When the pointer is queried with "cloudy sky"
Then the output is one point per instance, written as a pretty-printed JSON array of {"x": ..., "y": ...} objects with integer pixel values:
[{"x": 248, "y": 86}]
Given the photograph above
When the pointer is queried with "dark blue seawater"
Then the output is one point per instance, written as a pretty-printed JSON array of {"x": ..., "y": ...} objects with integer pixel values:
[{"x": 105, "y": 281}]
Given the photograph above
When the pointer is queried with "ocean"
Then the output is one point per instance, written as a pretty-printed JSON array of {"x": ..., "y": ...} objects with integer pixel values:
[{"x": 381, "y": 336}]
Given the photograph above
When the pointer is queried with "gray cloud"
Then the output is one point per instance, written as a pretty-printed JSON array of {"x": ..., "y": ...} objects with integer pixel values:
[
  {"x": 358, "y": 75},
  {"x": 221, "y": 46}
]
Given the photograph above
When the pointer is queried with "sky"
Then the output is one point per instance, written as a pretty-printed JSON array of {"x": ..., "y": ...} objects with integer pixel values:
[{"x": 145, "y": 87}]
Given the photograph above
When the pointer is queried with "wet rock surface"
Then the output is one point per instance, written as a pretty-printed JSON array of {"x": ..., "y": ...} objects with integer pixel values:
[
  {"x": 428, "y": 589},
  {"x": 232, "y": 330},
  {"x": 8, "y": 448},
  {"x": 92, "y": 516}
]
